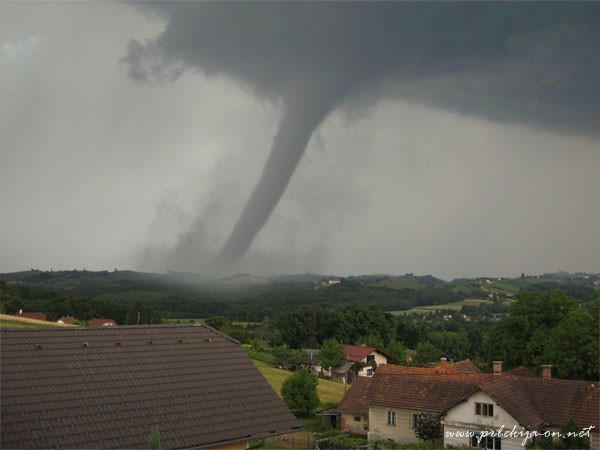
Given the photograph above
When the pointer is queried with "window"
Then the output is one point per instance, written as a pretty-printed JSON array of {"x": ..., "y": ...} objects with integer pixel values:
[
  {"x": 391, "y": 418},
  {"x": 489, "y": 442},
  {"x": 484, "y": 409},
  {"x": 414, "y": 420},
  {"x": 369, "y": 371},
  {"x": 356, "y": 418},
  {"x": 370, "y": 359}
]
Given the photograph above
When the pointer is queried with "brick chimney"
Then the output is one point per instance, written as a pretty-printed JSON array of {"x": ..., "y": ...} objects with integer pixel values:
[
  {"x": 443, "y": 362},
  {"x": 546, "y": 371},
  {"x": 497, "y": 367}
]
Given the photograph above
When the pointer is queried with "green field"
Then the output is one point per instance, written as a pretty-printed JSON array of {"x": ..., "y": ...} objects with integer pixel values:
[
  {"x": 456, "y": 306},
  {"x": 184, "y": 320},
  {"x": 330, "y": 393}
]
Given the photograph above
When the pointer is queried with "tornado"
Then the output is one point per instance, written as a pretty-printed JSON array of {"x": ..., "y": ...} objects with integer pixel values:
[
  {"x": 521, "y": 63},
  {"x": 301, "y": 116}
]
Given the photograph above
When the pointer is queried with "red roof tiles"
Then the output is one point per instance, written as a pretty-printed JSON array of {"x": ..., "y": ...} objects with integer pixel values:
[
  {"x": 356, "y": 353},
  {"x": 532, "y": 401},
  {"x": 98, "y": 322},
  {"x": 32, "y": 315},
  {"x": 356, "y": 399}
]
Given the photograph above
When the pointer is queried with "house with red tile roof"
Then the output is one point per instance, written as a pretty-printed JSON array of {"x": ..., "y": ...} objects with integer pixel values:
[
  {"x": 354, "y": 408},
  {"x": 99, "y": 322},
  {"x": 471, "y": 405},
  {"x": 31, "y": 315},
  {"x": 67, "y": 319},
  {"x": 361, "y": 361}
]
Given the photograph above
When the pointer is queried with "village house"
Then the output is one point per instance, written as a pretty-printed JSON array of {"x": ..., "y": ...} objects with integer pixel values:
[
  {"x": 31, "y": 315},
  {"x": 101, "y": 322},
  {"x": 470, "y": 404},
  {"x": 69, "y": 320},
  {"x": 111, "y": 387},
  {"x": 361, "y": 361}
]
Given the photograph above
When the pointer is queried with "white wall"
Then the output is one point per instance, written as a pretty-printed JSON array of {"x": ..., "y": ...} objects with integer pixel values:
[{"x": 462, "y": 418}]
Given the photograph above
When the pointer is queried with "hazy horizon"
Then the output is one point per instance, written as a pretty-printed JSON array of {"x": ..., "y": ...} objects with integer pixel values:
[{"x": 454, "y": 139}]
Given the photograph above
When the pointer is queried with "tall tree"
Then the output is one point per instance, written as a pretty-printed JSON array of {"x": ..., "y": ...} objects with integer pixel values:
[
  {"x": 299, "y": 392},
  {"x": 548, "y": 328},
  {"x": 331, "y": 354}
]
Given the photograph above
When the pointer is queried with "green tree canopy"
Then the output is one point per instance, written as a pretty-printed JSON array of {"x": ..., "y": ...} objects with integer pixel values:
[
  {"x": 548, "y": 328},
  {"x": 331, "y": 354},
  {"x": 299, "y": 393}
]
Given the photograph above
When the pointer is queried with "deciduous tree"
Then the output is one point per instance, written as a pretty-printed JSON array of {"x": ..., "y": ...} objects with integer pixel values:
[
  {"x": 299, "y": 393},
  {"x": 331, "y": 354}
]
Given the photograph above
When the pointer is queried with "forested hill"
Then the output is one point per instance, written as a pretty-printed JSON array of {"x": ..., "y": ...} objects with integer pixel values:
[{"x": 245, "y": 297}]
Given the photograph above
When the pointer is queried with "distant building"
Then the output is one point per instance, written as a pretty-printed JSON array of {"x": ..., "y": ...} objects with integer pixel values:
[
  {"x": 97, "y": 322},
  {"x": 32, "y": 315},
  {"x": 360, "y": 361},
  {"x": 69, "y": 320}
]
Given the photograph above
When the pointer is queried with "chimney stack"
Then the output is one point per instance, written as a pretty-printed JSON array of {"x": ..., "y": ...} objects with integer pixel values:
[
  {"x": 546, "y": 371},
  {"x": 497, "y": 367},
  {"x": 443, "y": 361}
]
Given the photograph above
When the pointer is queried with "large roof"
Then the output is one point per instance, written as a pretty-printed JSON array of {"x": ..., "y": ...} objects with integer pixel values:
[
  {"x": 356, "y": 353},
  {"x": 357, "y": 399},
  {"x": 532, "y": 401},
  {"x": 109, "y": 387}
]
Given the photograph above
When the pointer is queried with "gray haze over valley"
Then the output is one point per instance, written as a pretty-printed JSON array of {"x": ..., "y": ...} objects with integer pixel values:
[{"x": 457, "y": 139}]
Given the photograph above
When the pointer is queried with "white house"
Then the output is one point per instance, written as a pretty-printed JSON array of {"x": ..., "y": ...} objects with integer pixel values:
[{"x": 500, "y": 410}]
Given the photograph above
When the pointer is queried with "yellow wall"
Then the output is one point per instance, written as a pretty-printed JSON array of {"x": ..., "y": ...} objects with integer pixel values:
[
  {"x": 349, "y": 425},
  {"x": 401, "y": 432}
]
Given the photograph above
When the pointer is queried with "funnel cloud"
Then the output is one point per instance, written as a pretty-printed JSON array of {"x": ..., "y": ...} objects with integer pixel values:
[{"x": 528, "y": 63}]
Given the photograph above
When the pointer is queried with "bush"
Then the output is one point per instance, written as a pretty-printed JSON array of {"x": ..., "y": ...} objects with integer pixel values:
[
  {"x": 335, "y": 439},
  {"x": 299, "y": 393}
]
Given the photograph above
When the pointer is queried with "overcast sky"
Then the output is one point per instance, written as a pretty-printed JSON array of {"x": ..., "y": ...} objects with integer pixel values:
[{"x": 453, "y": 140}]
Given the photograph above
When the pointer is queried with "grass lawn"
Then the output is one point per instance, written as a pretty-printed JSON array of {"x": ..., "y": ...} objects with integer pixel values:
[
  {"x": 8, "y": 321},
  {"x": 330, "y": 393},
  {"x": 16, "y": 324},
  {"x": 184, "y": 320}
]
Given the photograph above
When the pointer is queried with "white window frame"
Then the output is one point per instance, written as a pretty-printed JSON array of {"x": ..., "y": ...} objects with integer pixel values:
[{"x": 391, "y": 418}]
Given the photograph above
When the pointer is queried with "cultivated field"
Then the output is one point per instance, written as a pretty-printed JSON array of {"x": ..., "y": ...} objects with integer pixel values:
[{"x": 456, "y": 306}]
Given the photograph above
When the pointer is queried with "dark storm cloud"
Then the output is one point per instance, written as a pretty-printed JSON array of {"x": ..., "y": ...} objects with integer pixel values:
[
  {"x": 538, "y": 60},
  {"x": 532, "y": 63}
]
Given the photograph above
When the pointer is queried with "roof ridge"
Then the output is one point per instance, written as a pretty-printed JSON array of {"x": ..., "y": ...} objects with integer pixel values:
[{"x": 116, "y": 329}]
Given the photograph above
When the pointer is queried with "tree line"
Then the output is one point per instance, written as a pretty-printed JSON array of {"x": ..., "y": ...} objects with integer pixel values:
[{"x": 543, "y": 327}]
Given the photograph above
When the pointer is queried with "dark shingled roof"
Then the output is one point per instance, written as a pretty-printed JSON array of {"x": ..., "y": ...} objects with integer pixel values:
[{"x": 108, "y": 387}]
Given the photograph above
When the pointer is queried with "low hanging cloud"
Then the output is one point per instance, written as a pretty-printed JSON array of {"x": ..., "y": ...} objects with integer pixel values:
[{"x": 528, "y": 63}]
